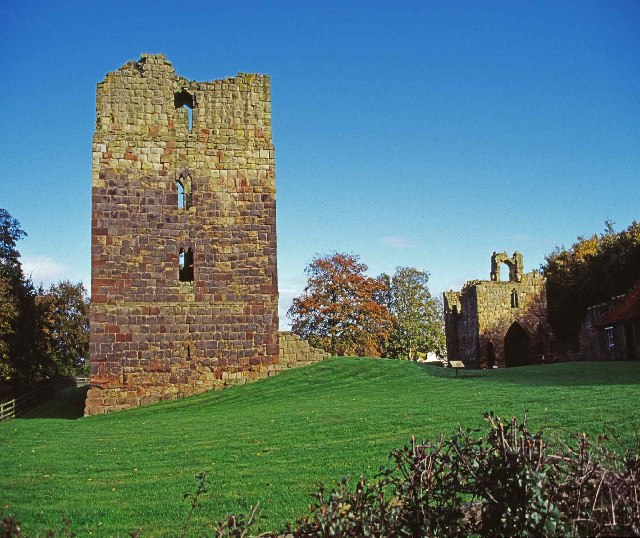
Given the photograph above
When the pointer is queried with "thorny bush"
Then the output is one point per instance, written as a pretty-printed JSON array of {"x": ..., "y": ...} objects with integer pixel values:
[{"x": 505, "y": 483}]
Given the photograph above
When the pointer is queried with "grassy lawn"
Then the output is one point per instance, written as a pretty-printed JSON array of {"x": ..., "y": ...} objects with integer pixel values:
[{"x": 274, "y": 440}]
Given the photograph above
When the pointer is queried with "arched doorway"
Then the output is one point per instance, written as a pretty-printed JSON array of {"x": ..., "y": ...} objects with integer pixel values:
[{"x": 517, "y": 346}]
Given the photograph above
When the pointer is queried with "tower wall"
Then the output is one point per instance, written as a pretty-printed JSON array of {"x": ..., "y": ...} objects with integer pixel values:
[{"x": 156, "y": 334}]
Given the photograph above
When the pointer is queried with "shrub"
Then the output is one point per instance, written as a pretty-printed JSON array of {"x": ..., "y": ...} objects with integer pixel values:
[{"x": 505, "y": 483}]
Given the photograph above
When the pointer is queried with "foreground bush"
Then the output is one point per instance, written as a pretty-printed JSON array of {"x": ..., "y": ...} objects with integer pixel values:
[{"x": 507, "y": 482}]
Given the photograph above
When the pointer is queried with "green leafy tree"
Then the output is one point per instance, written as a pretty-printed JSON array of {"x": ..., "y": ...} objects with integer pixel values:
[
  {"x": 10, "y": 234},
  {"x": 18, "y": 340},
  {"x": 64, "y": 327},
  {"x": 339, "y": 309},
  {"x": 41, "y": 333},
  {"x": 8, "y": 316},
  {"x": 418, "y": 325},
  {"x": 592, "y": 271}
]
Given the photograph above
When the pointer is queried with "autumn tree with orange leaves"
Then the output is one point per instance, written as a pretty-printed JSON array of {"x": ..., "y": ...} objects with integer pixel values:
[{"x": 339, "y": 309}]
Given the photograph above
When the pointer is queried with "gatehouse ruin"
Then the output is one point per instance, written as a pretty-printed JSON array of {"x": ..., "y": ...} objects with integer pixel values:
[
  {"x": 184, "y": 290},
  {"x": 499, "y": 323}
]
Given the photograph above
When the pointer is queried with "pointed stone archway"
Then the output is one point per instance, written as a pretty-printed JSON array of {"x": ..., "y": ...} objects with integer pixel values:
[{"x": 517, "y": 346}]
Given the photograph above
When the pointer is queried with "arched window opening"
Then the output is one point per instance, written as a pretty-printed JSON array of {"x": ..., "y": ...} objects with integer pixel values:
[
  {"x": 515, "y": 301},
  {"x": 185, "y": 262},
  {"x": 186, "y": 100}
]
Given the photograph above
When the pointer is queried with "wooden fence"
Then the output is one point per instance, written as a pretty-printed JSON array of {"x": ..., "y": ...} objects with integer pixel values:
[{"x": 37, "y": 396}]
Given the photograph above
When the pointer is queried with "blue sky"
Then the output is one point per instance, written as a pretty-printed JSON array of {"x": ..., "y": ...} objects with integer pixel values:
[{"x": 424, "y": 134}]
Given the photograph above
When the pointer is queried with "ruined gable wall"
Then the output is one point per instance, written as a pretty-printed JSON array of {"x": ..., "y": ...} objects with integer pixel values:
[
  {"x": 479, "y": 317},
  {"x": 152, "y": 336},
  {"x": 496, "y": 313}
]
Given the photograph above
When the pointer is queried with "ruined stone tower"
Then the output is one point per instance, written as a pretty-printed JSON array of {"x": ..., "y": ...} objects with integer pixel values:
[
  {"x": 498, "y": 323},
  {"x": 184, "y": 293}
]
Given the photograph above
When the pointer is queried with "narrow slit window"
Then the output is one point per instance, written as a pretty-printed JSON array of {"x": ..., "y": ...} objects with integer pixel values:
[
  {"x": 181, "y": 195},
  {"x": 185, "y": 262},
  {"x": 183, "y": 184},
  {"x": 515, "y": 301},
  {"x": 181, "y": 261},
  {"x": 186, "y": 100}
]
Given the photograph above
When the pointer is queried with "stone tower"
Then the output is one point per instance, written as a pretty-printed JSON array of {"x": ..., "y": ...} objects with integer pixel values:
[
  {"x": 184, "y": 294},
  {"x": 498, "y": 323}
]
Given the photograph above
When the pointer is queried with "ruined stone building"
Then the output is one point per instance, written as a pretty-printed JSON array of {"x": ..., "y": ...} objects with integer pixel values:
[
  {"x": 498, "y": 323},
  {"x": 184, "y": 280},
  {"x": 611, "y": 330}
]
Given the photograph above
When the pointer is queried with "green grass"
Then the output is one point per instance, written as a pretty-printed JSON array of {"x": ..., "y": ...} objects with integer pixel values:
[{"x": 272, "y": 441}]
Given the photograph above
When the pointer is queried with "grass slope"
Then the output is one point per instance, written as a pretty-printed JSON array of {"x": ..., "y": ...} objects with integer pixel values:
[{"x": 273, "y": 440}]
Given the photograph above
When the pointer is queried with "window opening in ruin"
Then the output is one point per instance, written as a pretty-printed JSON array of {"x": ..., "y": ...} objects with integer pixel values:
[
  {"x": 185, "y": 263},
  {"x": 188, "y": 352},
  {"x": 183, "y": 183},
  {"x": 190, "y": 114},
  {"x": 515, "y": 301},
  {"x": 186, "y": 100},
  {"x": 609, "y": 334},
  {"x": 181, "y": 202}
]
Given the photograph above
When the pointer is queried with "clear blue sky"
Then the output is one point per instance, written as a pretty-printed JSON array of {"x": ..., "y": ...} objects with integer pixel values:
[{"x": 423, "y": 134}]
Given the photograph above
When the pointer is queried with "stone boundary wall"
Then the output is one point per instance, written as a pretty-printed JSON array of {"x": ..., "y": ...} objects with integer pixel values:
[{"x": 296, "y": 352}]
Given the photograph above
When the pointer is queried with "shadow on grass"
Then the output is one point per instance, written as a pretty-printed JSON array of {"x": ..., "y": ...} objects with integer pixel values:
[
  {"x": 562, "y": 374},
  {"x": 68, "y": 403}
]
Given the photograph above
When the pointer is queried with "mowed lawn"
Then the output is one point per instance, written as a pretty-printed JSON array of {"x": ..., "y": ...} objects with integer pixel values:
[{"x": 272, "y": 441}]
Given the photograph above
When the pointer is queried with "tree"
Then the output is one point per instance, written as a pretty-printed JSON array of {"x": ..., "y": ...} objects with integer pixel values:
[
  {"x": 64, "y": 326},
  {"x": 17, "y": 308},
  {"x": 41, "y": 333},
  {"x": 592, "y": 271},
  {"x": 338, "y": 310},
  {"x": 418, "y": 326},
  {"x": 10, "y": 234},
  {"x": 8, "y": 316}
]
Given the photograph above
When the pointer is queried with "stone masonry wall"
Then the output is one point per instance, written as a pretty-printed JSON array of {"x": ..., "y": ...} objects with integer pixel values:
[
  {"x": 496, "y": 315},
  {"x": 478, "y": 318},
  {"x": 154, "y": 334},
  {"x": 461, "y": 325},
  {"x": 591, "y": 339},
  {"x": 295, "y": 352}
]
